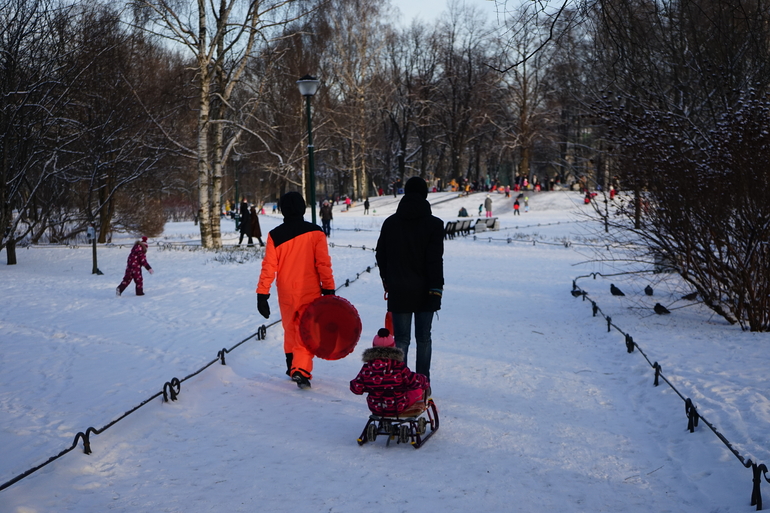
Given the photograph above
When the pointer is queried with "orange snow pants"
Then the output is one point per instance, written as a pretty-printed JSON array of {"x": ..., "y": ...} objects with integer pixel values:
[{"x": 290, "y": 315}]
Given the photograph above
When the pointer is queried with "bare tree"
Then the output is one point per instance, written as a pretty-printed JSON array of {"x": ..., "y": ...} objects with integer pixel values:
[
  {"x": 685, "y": 100},
  {"x": 221, "y": 37},
  {"x": 351, "y": 69},
  {"x": 34, "y": 133},
  {"x": 465, "y": 86},
  {"x": 123, "y": 78},
  {"x": 527, "y": 87}
]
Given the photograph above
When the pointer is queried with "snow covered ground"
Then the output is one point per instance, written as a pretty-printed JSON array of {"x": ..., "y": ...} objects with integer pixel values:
[{"x": 541, "y": 408}]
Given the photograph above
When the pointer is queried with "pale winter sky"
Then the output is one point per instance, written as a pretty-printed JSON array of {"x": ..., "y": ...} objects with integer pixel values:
[{"x": 430, "y": 10}]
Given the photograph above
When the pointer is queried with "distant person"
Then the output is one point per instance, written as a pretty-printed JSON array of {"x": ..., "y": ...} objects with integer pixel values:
[
  {"x": 256, "y": 230},
  {"x": 526, "y": 203},
  {"x": 488, "y": 205},
  {"x": 366, "y": 206},
  {"x": 462, "y": 212},
  {"x": 245, "y": 223},
  {"x": 516, "y": 206},
  {"x": 136, "y": 260},
  {"x": 297, "y": 258},
  {"x": 326, "y": 218},
  {"x": 410, "y": 256}
]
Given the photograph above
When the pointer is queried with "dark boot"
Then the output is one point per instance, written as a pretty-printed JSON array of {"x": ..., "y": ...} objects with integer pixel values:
[
  {"x": 301, "y": 381},
  {"x": 139, "y": 292},
  {"x": 289, "y": 358}
]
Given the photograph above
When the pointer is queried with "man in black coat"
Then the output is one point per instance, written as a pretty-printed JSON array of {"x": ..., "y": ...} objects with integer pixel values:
[{"x": 410, "y": 255}]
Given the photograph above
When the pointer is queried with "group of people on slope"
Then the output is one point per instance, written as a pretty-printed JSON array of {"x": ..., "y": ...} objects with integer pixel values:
[{"x": 409, "y": 254}]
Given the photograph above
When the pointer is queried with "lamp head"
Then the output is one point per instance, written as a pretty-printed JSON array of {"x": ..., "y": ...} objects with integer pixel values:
[{"x": 308, "y": 85}]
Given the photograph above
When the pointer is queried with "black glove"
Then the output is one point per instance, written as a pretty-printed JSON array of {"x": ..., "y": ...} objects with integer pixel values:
[
  {"x": 433, "y": 302},
  {"x": 327, "y": 292},
  {"x": 262, "y": 306}
]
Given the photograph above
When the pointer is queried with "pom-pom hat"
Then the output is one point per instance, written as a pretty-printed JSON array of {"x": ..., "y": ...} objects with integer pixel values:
[{"x": 383, "y": 338}]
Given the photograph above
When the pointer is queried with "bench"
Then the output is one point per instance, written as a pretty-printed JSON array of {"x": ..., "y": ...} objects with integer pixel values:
[
  {"x": 450, "y": 230},
  {"x": 487, "y": 223},
  {"x": 461, "y": 227}
]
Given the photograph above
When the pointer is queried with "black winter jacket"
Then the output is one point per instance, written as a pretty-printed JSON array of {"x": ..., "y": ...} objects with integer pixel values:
[
  {"x": 245, "y": 226},
  {"x": 410, "y": 255}
]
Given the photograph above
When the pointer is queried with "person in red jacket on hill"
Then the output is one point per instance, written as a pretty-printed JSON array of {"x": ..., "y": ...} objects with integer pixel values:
[
  {"x": 136, "y": 260},
  {"x": 392, "y": 387},
  {"x": 297, "y": 258}
]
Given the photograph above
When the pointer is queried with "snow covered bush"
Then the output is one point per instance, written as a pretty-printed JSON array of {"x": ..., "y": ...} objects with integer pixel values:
[{"x": 701, "y": 201}]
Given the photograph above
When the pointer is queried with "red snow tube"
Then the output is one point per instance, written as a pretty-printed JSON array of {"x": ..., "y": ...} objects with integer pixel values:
[{"x": 330, "y": 327}]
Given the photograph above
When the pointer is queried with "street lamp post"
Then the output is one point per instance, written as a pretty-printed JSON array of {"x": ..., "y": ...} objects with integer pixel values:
[
  {"x": 236, "y": 206},
  {"x": 308, "y": 86}
]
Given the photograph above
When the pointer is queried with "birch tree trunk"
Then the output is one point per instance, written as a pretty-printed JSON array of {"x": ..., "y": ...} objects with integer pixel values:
[{"x": 204, "y": 106}]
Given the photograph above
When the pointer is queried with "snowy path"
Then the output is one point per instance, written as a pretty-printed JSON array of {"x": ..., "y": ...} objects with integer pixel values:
[{"x": 541, "y": 409}]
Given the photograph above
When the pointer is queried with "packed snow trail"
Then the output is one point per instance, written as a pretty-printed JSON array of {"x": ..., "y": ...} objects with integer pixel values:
[{"x": 540, "y": 408}]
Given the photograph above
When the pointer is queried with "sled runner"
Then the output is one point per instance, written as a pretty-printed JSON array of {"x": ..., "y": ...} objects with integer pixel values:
[{"x": 411, "y": 426}]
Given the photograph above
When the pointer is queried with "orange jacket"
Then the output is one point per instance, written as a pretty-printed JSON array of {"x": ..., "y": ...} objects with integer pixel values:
[{"x": 299, "y": 256}]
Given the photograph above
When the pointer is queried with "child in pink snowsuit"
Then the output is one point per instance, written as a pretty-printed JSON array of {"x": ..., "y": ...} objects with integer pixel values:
[
  {"x": 136, "y": 260},
  {"x": 392, "y": 387}
]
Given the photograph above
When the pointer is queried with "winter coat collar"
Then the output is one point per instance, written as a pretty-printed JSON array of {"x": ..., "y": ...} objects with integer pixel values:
[{"x": 383, "y": 353}]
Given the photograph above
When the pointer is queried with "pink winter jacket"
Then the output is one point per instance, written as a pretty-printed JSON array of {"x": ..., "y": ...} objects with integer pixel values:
[
  {"x": 138, "y": 257},
  {"x": 387, "y": 379}
]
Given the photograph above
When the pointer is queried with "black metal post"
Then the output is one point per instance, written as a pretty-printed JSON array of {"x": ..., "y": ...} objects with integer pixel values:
[{"x": 310, "y": 161}]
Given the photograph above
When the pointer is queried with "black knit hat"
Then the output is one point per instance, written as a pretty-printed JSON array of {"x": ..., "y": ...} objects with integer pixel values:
[
  {"x": 416, "y": 185},
  {"x": 292, "y": 205}
]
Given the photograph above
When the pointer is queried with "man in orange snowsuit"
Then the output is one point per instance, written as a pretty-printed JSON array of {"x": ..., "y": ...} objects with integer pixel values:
[{"x": 297, "y": 257}]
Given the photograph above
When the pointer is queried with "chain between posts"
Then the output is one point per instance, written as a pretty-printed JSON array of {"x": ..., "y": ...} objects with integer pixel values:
[
  {"x": 170, "y": 391},
  {"x": 759, "y": 471}
]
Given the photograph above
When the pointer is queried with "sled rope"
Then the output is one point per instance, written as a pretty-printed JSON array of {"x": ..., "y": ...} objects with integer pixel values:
[
  {"x": 693, "y": 416},
  {"x": 170, "y": 391}
]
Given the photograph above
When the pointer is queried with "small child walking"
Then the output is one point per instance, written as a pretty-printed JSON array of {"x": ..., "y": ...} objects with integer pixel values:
[
  {"x": 136, "y": 260},
  {"x": 391, "y": 386}
]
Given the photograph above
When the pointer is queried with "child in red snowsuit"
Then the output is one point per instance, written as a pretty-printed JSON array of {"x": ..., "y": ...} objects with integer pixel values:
[
  {"x": 392, "y": 387},
  {"x": 136, "y": 260}
]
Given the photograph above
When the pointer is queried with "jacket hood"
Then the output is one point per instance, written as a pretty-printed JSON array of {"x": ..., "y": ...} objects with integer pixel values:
[
  {"x": 416, "y": 185},
  {"x": 292, "y": 205},
  {"x": 382, "y": 353},
  {"x": 413, "y": 206}
]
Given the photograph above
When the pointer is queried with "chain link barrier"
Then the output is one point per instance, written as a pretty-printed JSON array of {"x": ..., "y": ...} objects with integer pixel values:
[
  {"x": 170, "y": 391},
  {"x": 759, "y": 470}
]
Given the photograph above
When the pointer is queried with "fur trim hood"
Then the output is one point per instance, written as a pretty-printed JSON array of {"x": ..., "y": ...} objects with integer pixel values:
[{"x": 383, "y": 353}]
